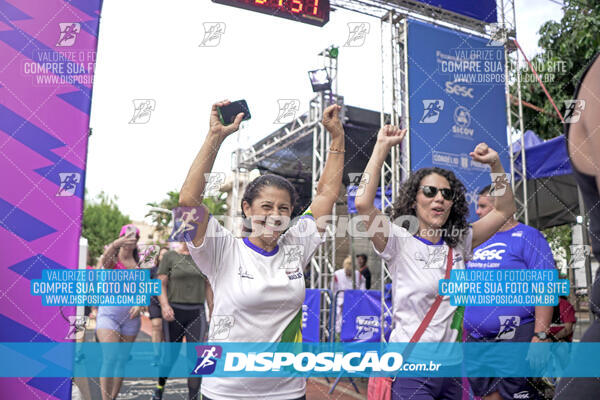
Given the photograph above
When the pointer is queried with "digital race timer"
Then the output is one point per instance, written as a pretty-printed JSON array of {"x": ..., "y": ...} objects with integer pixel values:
[{"x": 314, "y": 12}]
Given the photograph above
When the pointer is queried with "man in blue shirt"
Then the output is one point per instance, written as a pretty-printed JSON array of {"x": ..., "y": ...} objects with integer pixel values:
[{"x": 514, "y": 246}]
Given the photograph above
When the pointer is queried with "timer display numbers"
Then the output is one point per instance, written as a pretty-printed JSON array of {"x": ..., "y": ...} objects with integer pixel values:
[{"x": 314, "y": 12}]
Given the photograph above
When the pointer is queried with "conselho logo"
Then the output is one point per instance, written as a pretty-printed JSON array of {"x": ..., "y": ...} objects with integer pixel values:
[{"x": 319, "y": 362}]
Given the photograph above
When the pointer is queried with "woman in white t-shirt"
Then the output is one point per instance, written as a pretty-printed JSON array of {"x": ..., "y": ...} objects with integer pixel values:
[
  {"x": 342, "y": 280},
  {"x": 433, "y": 200},
  {"x": 257, "y": 281}
]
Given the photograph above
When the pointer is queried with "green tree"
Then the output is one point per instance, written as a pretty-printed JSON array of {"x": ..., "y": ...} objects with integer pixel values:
[
  {"x": 102, "y": 222},
  {"x": 567, "y": 48},
  {"x": 559, "y": 239},
  {"x": 161, "y": 220},
  {"x": 216, "y": 205}
]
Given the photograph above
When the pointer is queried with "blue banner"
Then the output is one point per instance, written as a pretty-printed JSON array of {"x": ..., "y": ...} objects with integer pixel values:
[
  {"x": 483, "y": 10},
  {"x": 311, "y": 311},
  {"x": 353, "y": 191},
  {"x": 457, "y": 100},
  {"x": 507, "y": 359},
  {"x": 361, "y": 314}
]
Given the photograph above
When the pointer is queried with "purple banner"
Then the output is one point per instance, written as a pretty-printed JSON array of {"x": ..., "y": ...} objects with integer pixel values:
[
  {"x": 47, "y": 53},
  {"x": 361, "y": 315},
  {"x": 311, "y": 312}
]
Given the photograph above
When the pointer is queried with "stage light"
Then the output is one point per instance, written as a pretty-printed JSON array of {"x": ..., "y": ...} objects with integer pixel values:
[{"x": 320, "y": 80}]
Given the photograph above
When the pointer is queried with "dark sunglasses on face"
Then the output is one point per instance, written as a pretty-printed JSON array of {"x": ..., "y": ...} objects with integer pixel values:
[{"x": 431, "y": 191}]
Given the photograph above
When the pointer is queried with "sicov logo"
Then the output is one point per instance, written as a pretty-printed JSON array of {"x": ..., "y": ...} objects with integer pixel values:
[
  {"x": 207, "y": 359},
  {"x": 462, "y": 120},
  {"x": 490, "y": 252}
]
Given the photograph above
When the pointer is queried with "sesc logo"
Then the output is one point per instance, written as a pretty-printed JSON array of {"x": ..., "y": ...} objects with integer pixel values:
[
  {"x": 367, "y": 326},
  {"x": 459, "y": 90},
  {"x": 492, "y": 252}
]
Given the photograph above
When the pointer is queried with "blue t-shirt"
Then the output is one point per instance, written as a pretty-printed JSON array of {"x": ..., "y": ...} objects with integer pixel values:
[{"x": 521, "y": 247}]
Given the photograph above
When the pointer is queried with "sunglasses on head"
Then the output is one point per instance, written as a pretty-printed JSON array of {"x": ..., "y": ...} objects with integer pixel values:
[{"x": 431, "y": 191}]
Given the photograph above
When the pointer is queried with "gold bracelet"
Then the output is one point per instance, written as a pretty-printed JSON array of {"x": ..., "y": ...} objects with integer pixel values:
[{"x": 336, "y": 151}]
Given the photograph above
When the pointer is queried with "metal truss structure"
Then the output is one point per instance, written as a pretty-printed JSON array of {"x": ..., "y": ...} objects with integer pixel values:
[
  {"x": 506, "y": 34},
  {"x": 393, "y": 15}
]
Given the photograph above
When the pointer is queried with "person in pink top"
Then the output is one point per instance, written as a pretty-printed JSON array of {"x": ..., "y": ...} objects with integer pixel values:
[{"x": 118, "y": 323}]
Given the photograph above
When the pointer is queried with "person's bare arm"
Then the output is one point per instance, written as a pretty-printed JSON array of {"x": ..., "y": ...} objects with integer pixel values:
[
  {"x": 165, "y": 307},
  {"x": 209, "y": 298},
  {"x": 328, "y": 187},
  {"x": 565, "y": 332},
  {"x": 543, "y": 318},
  {"x": 387, "y": 137},
  {"x": 504, "y": 206},
  {"x": 111, "y": 255},
  {"x": 192, "y": 191},
  {"x": 590, "y": 93}
]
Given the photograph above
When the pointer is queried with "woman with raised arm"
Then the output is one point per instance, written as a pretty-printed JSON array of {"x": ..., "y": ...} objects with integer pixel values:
[
  {"x": 257, "y": 281},
  {"x": 417, "y": 259},
  {"x": 118, "y": 323}
]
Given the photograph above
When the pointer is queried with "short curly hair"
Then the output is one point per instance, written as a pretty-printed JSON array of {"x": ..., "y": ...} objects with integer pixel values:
[{"x": 456, "y": 224}]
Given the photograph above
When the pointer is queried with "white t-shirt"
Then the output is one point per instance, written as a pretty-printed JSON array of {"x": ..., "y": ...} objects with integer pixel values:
[
  {"x": 258, "y": 297},
  {"x": 416, "y": 267},
  {"x": 341, "y": 281}
]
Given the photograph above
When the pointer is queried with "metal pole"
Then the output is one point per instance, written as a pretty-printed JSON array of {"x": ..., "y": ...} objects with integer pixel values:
[{"x": 586, "y": 242}]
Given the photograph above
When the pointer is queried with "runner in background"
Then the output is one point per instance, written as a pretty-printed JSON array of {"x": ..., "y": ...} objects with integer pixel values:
[
  {"x": 118, "y": 323},
  {"x": 514, "y": 246},
  {"x": 361, "y": 260},
  {"x": 342, "y": 280},
  {"x": 154, "y": 312},
  {"x": 417, "y": 259},
  {"x": 563, "y": 321},
  {"x": 182, "y": 306},
  {"x": 583, "y": 139}
]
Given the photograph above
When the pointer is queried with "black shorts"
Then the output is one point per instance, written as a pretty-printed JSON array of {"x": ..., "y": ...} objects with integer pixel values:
[
  {"x": 154, "y": 308},
  {"x": 506, "y": 387}
]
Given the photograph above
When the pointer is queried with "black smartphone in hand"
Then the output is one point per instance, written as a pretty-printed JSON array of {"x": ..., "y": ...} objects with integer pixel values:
[{"x": 228, "y": 113}]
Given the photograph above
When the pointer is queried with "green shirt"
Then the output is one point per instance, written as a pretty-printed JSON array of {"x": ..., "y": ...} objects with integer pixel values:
[{"x": 186, "y": 282}]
